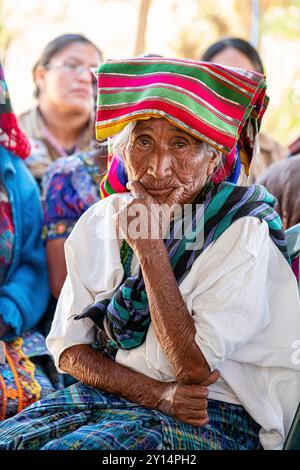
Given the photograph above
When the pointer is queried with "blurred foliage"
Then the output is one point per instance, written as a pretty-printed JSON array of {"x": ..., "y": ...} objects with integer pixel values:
[
  {"x": 280, "y": 18},
  {"x": 284, "y": 123},
  {"x": 6, "y": 35}
]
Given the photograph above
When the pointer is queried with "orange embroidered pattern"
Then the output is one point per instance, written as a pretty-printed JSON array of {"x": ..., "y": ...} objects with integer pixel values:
[{"x": 27, "y": 389}]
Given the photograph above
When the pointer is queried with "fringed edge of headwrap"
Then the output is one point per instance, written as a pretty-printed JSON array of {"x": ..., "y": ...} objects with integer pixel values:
[{"x": 11, "y": 136}]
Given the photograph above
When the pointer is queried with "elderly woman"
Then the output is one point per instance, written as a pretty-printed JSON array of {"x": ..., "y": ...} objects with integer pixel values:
[{"x": 177, "y": 343}]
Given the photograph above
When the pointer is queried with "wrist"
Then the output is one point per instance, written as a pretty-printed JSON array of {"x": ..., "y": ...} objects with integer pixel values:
[
  {"x": 146, "y": 248},
  {"x": 160, "y": 391},
  {"x": 166, "y": 397}
]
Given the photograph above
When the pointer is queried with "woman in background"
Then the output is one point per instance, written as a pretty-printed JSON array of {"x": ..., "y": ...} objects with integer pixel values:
[
  {"x": 62, "y": 123},
  {"x": 236, "y": 52}
]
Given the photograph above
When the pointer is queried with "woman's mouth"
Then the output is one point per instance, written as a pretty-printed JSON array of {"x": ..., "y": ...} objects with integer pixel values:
[
  {"x": 81, "y": 91},
  {"x": 159, "y": 192}
]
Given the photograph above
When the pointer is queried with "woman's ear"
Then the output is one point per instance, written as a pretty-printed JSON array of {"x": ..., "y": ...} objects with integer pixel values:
[
  {"x": 39, "y": 77},
  {"x": 214, "y": 160}
]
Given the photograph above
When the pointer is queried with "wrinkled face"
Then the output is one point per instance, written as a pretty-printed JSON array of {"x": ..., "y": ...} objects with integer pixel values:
[
  {"x": 62, "y": 85},
  {"x": 162, "y": 158}
]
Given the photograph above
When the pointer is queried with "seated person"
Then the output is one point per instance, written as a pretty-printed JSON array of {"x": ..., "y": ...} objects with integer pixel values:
[
  {"x": 282, "y": 179},
  {"x": 237, "y": 52},
  {"x": 178, "y": 342},
  {"x": 24, "y": 290}
]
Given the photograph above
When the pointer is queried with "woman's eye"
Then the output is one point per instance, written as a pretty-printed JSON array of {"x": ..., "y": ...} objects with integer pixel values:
[
  {"x": 180, "y": 144},
  {"x": 144, "y": 141}
]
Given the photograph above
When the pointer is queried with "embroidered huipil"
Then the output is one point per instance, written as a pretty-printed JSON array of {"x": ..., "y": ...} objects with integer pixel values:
[{"x": 70, "y": 186}]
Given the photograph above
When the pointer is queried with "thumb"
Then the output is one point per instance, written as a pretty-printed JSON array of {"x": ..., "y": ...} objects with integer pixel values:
[{"x": 211, "y": 379}]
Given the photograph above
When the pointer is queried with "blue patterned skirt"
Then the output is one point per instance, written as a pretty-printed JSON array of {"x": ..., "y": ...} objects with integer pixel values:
[{"x": 83, "y": 418}]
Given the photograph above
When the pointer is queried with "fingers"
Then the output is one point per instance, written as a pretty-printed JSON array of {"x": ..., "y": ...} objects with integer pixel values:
[
  {"x": 191, "y": 412},
  {"x": 197, "y": 404},
  {"x": 195, "y": 414},
  {"x": 137, "y": 190},
  {"x": 195, "y": 418},
  {"x": 197, "y": 422},
  {"x": 185, "y": 403},
  {"x": 192, "y": 391}
]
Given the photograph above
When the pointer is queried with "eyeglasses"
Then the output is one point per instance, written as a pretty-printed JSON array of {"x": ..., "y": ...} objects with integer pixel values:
[{"x": 77, "y": 69}]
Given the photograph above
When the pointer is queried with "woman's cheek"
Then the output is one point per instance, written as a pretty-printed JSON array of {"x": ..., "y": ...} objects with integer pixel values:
[
  {"x": 184, "y": 172},
  {"x": 135, "y": 170}
]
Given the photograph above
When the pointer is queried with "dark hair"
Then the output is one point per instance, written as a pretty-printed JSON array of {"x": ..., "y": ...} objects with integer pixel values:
[
  {"x": 57, "y": 45},
  {"x": 149, "y": 55},
  {"x": 236, "y": 43}
]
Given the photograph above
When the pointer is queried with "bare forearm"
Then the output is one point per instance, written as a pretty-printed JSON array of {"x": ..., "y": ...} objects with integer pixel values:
[
  {"x": 98, "y": 371},
  {"x": 171, "y": 320}
]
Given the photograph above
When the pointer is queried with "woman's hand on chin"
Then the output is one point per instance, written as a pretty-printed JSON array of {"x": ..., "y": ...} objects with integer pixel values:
[{"x": 143, "y": 221}]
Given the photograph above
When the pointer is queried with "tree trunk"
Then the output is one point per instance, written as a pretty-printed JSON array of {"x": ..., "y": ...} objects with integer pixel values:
[{"x": 142, "y": 27}]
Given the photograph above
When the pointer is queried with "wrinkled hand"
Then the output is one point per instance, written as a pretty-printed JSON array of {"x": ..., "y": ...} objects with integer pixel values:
[
  {"x": 142, "y": 220},
  {"x": 188, "y": 403}
]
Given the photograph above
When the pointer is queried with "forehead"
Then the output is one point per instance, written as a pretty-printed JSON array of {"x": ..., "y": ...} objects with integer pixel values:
[
  {"x": 155, "y": 124},
  {"x": 78, "y": 51},
  {"x": 233, "y": 58}
]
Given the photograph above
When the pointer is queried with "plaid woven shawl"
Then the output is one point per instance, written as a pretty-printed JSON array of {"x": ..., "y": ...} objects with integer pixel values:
[
  {"x": 127, "y": 315},
  {"x": 212, "y": 102},
  {"x": 11, "y": 136}
]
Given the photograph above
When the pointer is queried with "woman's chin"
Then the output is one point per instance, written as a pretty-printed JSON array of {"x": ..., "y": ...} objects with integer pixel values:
[
  {"x": 160, "y": 200},
  {"x": 79, "y": 104}
]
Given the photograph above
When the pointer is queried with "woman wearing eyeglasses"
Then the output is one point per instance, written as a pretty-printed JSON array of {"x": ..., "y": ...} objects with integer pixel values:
[{"x": 62, "y": 123}]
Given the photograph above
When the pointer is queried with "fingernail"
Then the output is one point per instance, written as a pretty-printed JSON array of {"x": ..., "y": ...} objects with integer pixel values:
[{"x": 128, "y": 184}]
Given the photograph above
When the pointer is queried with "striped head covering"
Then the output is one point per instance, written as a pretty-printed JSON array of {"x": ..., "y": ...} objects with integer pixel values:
[
  {"x": 220, "y": 105},
  {"x": 11, "y": 136}
]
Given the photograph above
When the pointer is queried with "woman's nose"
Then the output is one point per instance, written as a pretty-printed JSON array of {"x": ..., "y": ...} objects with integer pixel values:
[
  {"x": 85, "y": 75},
  {"x": 160, "y": 164}
]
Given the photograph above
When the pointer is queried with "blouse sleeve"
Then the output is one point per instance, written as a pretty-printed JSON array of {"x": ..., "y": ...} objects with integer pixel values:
[
  {"x": 68, "y": 191},
  {"x": 230, "y": 306},
  {"x": 94, "y": 272}
]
